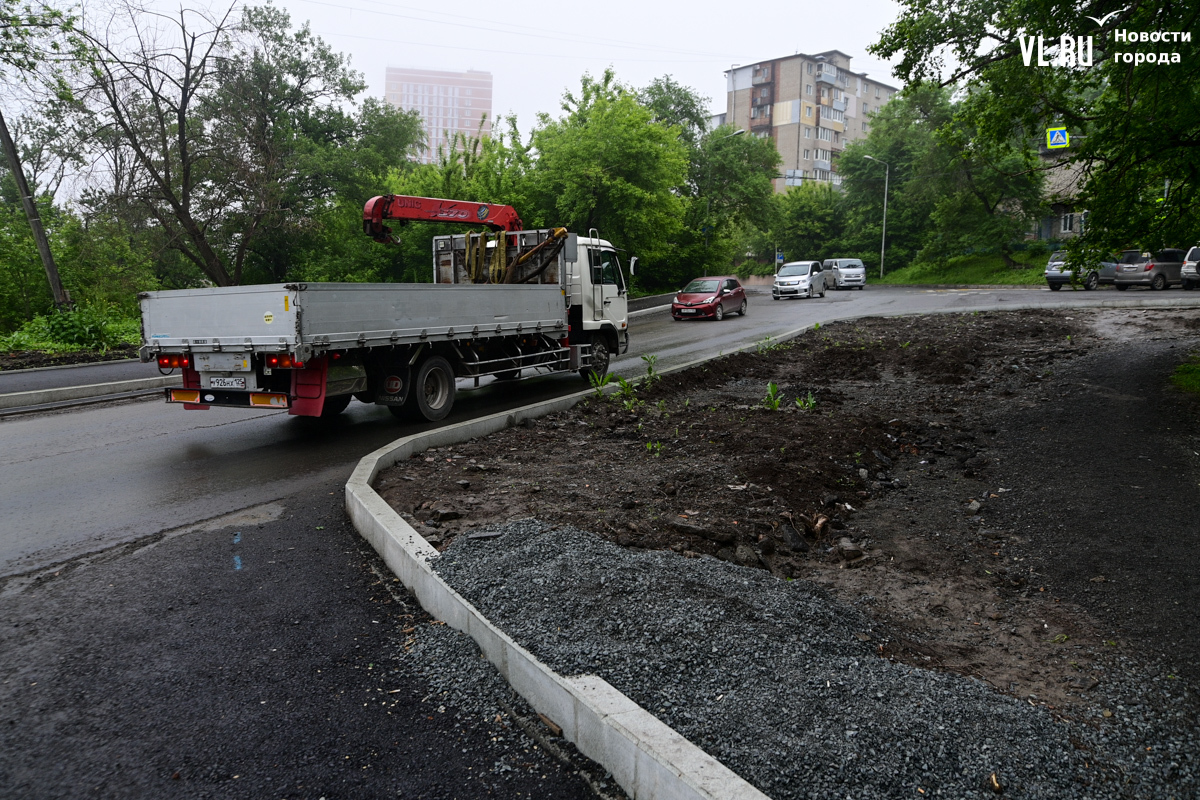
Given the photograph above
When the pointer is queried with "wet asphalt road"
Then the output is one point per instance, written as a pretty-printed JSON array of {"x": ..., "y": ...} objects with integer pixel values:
[{"x": 255, "y": 660}]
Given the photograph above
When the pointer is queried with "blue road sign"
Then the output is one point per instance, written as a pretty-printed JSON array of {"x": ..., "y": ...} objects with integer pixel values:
[{"x": 1057, "y": 137}]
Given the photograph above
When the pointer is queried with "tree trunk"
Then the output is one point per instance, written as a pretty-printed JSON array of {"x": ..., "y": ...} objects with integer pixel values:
[{"x": 62, "y": 300}]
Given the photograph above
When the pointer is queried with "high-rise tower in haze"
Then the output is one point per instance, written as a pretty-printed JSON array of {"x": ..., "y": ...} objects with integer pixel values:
[{"x": 448, "y": 102}]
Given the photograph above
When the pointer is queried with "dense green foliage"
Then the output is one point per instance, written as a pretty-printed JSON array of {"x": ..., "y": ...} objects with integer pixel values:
[
  {"x": 1134, "y": 126},
  {"x": 948, "y": 193}
]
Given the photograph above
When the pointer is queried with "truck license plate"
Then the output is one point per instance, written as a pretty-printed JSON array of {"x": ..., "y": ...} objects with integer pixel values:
[{"x": 227, "y": 383}]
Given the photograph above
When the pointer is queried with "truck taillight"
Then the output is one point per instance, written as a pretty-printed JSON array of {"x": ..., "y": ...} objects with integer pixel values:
[
  {"x": 174, "y": 361},
  {"x": 284, "y": 361}
]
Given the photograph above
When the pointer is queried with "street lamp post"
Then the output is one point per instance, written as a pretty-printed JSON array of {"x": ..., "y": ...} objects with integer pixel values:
[
  {"x": 708, "y": 197},
  {"x": 883, "y": 239}
]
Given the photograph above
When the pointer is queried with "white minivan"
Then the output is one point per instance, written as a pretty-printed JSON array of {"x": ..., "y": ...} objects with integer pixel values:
[{"x": 848, "y": 273}]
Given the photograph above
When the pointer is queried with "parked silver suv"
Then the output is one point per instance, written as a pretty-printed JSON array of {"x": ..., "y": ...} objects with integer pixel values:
[
  {"x": 1189, "y": 273},
  {"x": 848, "y": 273},
  {"x": 1158, "y": 270}
]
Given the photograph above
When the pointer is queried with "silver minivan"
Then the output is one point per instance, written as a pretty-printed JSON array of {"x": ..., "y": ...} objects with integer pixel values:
[
  {"x": 799, "y": 279},
  {"x": 848, "y": 273}
]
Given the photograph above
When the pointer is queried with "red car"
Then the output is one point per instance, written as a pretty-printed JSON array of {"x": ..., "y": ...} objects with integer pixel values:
[{"x": 709, "y": 297}]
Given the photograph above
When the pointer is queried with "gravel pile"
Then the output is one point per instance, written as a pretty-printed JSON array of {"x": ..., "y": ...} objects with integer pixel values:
[{"x": 782, "y": 683}]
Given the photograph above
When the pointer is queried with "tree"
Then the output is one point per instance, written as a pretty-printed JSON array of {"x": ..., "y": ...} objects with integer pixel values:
[
  {"x": 678, "y": 106},
  {"x": 607, "y": 164},
  {"x": 808, "y": 221},
  {"x": 1134, "y": 124},
  {"x": 904, "y": 134},
  {"x": 234, "y": 139}
]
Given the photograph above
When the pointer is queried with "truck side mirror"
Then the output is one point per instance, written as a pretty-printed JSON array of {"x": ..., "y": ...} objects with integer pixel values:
[{"x": 633, "y": 266}]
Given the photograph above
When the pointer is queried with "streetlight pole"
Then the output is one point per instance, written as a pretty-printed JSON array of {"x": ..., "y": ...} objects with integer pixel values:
[
  {"x": 883, "y": 239},
  {"x": 708, "y": 194}
]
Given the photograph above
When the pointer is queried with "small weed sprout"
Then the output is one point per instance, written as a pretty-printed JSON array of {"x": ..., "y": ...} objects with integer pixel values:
[
  {"x": 651, "y": 373},
  {"x": 816, "y": 326},
  {"x": 806, "y": 403},
  {"x": 654, "y": 448},
  {"x": 906, "y": 344},
  {"x": 662, "y": 407},
  {"x": 598, "y": 383},
  {"x": 772, "y": 400},
  {"x": 628, "y": 394}
]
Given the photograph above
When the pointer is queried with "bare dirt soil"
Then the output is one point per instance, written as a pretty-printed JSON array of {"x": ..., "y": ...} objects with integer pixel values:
[
  {"x": 28, "y": 359},
  {"x": 893, "y": 482}
]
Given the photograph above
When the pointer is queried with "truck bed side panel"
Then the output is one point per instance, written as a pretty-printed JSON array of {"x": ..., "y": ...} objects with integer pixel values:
[
  {"x": 325, "y": 316},
  {"x": 343, "y": 315}
]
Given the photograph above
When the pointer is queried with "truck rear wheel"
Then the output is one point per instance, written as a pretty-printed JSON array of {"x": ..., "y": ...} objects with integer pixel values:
[
  {"x": 432, "y": 393},
  {"x": 334, "y": 405}
]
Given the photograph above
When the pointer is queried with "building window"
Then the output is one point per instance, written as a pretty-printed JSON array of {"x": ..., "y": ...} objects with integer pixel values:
[
  {"x": 810, "y": 69},
  {"x": 808, "y": 87},
  {"x": 1068, "y": 223},
  {"x": 877, "y": 92},
  {"x": 808, "y": 111},
  {"x": 762, "y": 92},
  {"x": 806, "y": 155},
  {"x": 864, "y": 126},
  {"x": 808, "y": 133},
  {"x": 866, "y": 109}
]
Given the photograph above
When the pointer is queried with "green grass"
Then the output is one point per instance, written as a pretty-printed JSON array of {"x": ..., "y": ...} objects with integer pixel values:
[
  {"x": 973, "y": 269},
  {"x": 1187, "y": 376}
]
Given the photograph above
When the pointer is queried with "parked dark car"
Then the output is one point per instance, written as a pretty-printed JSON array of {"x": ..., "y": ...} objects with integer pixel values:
[
  {"x": 1057, "y": 274},
  {"x": 1158, "y": 270},
  {"x": 1189, "y": 273},
  {"x": 710, "y": 297}
]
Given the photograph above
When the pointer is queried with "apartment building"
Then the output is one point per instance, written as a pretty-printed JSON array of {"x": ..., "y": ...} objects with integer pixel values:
[
  {"x": 810, "y": 106},
  {"x": 448, "y": 102}
]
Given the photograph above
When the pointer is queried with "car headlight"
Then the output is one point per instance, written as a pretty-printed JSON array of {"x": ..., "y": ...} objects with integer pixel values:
[{"x": 710, "y": 300}]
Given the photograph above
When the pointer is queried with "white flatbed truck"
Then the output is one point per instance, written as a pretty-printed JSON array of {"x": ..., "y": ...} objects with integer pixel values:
[{"x": 310, "y": 347}]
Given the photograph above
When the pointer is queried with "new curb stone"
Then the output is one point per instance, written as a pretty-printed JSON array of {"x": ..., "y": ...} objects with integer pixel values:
[{"x": 647, "y": 758}]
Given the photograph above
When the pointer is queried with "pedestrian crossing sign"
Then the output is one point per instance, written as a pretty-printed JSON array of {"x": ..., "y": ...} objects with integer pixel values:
[{"x": 1057, "y": 137}]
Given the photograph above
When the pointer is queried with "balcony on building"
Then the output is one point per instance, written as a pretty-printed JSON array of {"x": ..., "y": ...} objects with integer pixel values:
[
  {"x": 831, "y": 75},
  {"x": 761, "y": 75},
  {"x": 822, "y": 164}
]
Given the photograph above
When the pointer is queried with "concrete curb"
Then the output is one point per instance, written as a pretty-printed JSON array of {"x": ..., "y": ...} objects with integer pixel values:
[
  {"x": 647, "y": 758},
  {"x": 42, "y": 396}
]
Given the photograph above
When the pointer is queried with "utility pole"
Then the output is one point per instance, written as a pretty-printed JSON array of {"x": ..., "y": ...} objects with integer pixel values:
[
  {"x": 887, "y": 169},
  {"x": 62, "y": 300}
]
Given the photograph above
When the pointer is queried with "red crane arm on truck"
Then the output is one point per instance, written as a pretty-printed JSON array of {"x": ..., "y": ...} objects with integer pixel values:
[{"x": 430, "y": 209}]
